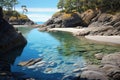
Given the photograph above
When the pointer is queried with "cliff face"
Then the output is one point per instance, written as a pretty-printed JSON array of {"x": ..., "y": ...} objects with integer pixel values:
[{"x": 9, "y": 37}]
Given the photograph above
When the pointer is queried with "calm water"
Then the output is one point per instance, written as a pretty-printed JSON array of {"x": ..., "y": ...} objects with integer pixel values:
[{"x": 60, "y": 51}]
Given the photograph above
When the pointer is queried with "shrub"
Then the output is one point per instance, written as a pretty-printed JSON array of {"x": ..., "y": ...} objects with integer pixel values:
[
  {"x": 23, "y": 17},
  {"x": 12, "y": 18}
]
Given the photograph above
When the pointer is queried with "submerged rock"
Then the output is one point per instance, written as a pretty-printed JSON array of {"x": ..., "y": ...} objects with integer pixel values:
[{"x": 29, "y": 62}]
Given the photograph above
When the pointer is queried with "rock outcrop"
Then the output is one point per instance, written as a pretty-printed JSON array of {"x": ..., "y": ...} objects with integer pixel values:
[
  {"x": 65, "y": 20},
  {"x": 108, "y": 70},
  {"x": 21, "y": 22},
  {"x": 100, "y": 23},
  {"x": 9, "y": 37}
]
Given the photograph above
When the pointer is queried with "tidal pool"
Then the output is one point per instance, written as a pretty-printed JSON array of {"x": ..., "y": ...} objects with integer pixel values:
[{"x": 61, "y": 53}]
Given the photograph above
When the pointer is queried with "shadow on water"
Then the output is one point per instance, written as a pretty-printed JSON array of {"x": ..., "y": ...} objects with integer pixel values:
[{"x": 6, "y": 60}]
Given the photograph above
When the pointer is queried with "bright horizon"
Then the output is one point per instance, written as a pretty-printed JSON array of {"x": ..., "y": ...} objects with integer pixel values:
[{"x": 38, "y": 11}]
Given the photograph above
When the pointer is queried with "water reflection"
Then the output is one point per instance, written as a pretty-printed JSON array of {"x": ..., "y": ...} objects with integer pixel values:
[
  {"x": 25, "y": 30},
  {"x": 6, "y": 60},
  {"x": 68, "y": 42},
  {"x": 60, "y": 48},
  {"x": 70, "y": 45}
]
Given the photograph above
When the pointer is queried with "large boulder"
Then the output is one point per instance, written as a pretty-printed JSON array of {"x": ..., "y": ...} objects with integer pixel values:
[
  {"x": 93, "y": 75},
  {"x": 113, "y": 59},
  {"x": 9, "y": 37},
  {"x": 72, "y": 21}
]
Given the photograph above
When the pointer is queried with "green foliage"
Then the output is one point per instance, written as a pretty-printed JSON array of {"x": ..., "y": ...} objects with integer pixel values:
[
  {"x": 8, "y": 4},
  {"x": 60, "y": 5},
  {"x": 82, "y": 5},
  {"x": 14, "y": 15},
  {"x": 11, "y": 13},
  {"x": 23, "y": 17}
]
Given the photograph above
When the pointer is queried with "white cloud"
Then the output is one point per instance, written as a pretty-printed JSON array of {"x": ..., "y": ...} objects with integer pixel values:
[
  {"x": 39, "y": 9},
  {"x": 39, "y": 14},
  {"x": 39, "y": 17}
]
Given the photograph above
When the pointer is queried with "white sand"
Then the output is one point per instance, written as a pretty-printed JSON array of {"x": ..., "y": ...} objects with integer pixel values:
[
  {"x": 72, "y": 30},
  {"x": 109, "y": 39}
]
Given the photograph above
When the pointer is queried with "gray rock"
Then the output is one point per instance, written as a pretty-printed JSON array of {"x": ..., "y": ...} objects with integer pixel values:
[
  {"x": 30, "y": 62},
  {"x": 43, "y": 29},
  {"x": 91, "y": 67},
  {"x": 93, "y": 75},
  {"x": 105, "y": 18},
  {"x": 58, "y": 26},
  {"x": 99, "y": 56},
  {"x": 107, "y": 67},
  {"x": 49, "y": 22},
  {"x": 77, "y": 70},
  {"x": 73, "y": 21},
  {"x": 113, "y": 59},
  {"x": 57, "y": 20},
  {"x": 114, "y": 74},
  {"x": 51, "y": 26},
  {"x": 117, "y": 24}
]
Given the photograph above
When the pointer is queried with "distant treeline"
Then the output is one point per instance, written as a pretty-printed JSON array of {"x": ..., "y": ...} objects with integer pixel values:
[{"x": 83, "y": 5}]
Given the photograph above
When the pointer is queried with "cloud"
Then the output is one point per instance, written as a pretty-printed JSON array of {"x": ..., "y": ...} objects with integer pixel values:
[
  {"x": 39, "y": 9},
  {"x": 39, "y": 17},
  {"x": 39, "y": 14}
]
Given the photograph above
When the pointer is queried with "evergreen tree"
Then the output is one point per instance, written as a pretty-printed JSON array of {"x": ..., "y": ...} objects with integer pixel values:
[{"x": 60, "y": 4}]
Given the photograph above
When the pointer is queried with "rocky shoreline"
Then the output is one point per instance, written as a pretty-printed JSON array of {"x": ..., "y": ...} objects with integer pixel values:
[
  {"x": 98, "y": 23},
  {"x": 109, "y": 68},
  {"x": 94, "y": 25},
  {"x": 108, "y": 39}
]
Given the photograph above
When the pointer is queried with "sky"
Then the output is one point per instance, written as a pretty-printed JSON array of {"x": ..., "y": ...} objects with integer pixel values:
[{"x": 38, "y": 10}]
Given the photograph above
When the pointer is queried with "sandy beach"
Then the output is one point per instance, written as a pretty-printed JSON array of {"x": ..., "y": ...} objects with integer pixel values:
[
  {"x": 108, "y": 39},
  {"x": 72, "y": 30}
]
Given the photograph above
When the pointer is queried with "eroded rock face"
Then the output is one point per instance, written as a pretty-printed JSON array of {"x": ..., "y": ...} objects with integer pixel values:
[{"x": 9, "y": 37}]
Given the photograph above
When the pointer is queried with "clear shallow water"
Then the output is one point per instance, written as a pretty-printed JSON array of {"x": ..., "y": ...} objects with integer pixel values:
[{"x": 60, "y": 51}]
